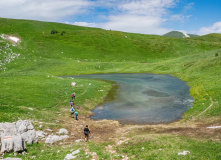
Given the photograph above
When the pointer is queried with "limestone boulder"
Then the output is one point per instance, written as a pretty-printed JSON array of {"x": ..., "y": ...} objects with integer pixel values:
[{"x": 14, "y": 136}]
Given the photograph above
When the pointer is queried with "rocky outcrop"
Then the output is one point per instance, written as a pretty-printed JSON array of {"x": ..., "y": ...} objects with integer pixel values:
[
  {"x": 14, "y": 136},
  {"x": 54, "y": 138}
]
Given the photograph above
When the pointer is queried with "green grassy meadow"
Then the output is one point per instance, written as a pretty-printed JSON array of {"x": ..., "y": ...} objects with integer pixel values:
[{"x": 30, "y": 77}]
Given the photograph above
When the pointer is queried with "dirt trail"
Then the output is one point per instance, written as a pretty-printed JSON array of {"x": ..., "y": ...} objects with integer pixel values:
[
  {"x": 211, "y": 100},
  {"x": 113, "y": 131}
]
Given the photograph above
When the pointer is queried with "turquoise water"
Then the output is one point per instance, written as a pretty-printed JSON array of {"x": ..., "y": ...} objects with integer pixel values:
[{"x": 144, "y": 98}]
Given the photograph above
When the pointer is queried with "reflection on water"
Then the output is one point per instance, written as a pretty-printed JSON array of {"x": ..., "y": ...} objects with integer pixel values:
[{"x": 144, "y": 98}]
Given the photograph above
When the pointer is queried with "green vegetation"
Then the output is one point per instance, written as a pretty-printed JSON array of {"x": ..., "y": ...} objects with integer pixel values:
[
  {"x": 30, "y": 70},
  {"x": 168, "y": 147}
]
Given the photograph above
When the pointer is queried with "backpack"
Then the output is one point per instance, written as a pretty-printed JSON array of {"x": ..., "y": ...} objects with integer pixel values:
[
  {"x": 86, "y": 132},
  {"x": 76, "y": 113},
  {"x": 72, "y": 110}
]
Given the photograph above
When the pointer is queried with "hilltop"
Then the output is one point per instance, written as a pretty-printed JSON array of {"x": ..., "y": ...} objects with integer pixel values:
[
  {"x": 32, "y": 88},
  {"x": 178, "y": 34}
]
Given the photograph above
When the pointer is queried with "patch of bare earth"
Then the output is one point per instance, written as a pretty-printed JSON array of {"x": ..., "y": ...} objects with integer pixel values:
[
  {"x": 113, "y": 131},
  {"x": 118, "y": 134}
]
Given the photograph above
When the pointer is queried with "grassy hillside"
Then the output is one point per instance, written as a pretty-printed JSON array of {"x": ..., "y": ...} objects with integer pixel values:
[{"x": 29, "y": 74}]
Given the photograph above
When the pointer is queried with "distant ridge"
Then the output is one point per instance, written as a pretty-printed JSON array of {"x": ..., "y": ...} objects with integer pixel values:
[{"x": 178, "y": 34}]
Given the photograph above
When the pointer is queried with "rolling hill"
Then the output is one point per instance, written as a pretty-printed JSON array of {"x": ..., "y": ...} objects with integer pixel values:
[
  {"x": 178, "y": 34},
  {"x": 35, "y": 55}
]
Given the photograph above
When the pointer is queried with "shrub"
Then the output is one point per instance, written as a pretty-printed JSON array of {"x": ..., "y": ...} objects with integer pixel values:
[{"x": 54, "y": 31}]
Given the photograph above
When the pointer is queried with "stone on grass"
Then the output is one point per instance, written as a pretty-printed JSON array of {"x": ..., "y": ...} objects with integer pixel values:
[
  {"x": 63, "y": 131},
  {"x": 76, "y": 152},
  {"x": 54, "y": 138},
  {"x": 78, "y": 140},
  {"x": 73, "y": 84},
  {"x": 72, "y": 155},
  {"x": 184, "y": 153},
  {"x": 69, "y": 156}
]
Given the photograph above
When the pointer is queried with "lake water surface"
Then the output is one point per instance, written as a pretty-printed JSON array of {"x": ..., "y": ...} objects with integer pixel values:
[{"x": 144, "y": 98}]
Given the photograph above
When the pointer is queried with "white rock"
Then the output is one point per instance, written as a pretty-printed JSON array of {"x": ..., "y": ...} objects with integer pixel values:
[
  {"x": 40, "y": 134},
  {"x": 7, "y": 144},
  {"x": 73, "y": 84},
  {"x": 24, "y": 153},
  {"x": 76, "y": 152},
  {"x": 214, "y": 127},
  {"x": 64, "y": 137},
  {"x": 18, "y": 144},
  {"x": 15, "y": 39},
  {"x": 49, "y": 130},
  {"x": 52, "y": 138},
  {"x": 69, "y": 156},
  {"x": 78, "y": 140},
  {"x": 184, "y": 153},
  {"x": 14, "y": 135},
  {"x": 63, "y": 131}
]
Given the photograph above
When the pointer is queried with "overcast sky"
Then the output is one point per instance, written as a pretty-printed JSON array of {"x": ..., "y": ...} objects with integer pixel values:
[{"x": 137, "y": 16}]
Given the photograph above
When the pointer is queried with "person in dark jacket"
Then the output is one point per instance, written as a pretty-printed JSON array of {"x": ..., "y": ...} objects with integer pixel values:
[{"x": 86, "y": 133}]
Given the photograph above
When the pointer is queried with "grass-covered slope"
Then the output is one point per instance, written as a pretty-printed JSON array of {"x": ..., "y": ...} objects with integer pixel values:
[{"x": 30, "y": 70}]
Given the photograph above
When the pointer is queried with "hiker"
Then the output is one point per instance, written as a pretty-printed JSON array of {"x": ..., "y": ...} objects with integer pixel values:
[
  {"x": 86, "y": 133},
  {"x": 73, "y": 95},
  {"x": 76, "y": 114},
  {"x": 71, "y": 103},
  {"x": 72, "y": 112}
]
